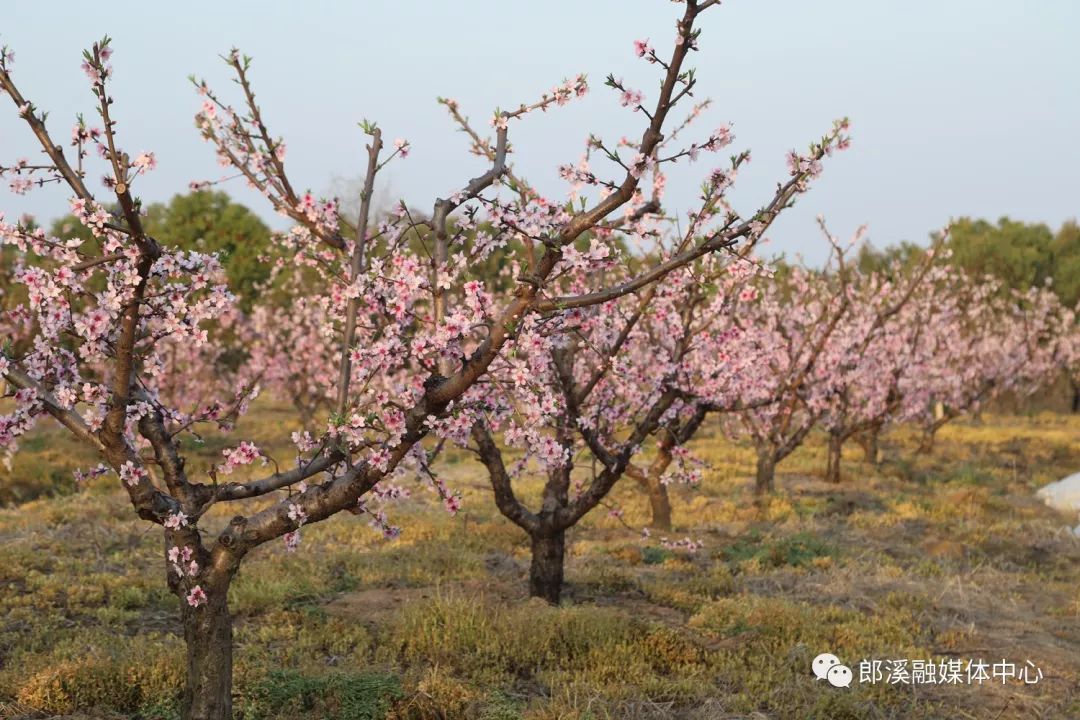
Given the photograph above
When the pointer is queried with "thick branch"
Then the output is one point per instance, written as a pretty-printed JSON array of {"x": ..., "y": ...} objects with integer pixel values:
[
  {"x": 505, "y": 499},
  {"x": 603, "y": 482},
  {"x": 279, "y": 480},
  {"x": 193, "y": 497}
]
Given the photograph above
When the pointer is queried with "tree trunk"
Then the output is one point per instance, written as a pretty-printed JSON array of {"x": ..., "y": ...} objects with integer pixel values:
[
  {"x": 660, "y": 504},
  {"x": 832, "y": 468},
  {"x": 766, "y": 473},
  {"x": 546, "y": 570},
  {"x": 926, "y": 445},
  {"x": 1075, "y": 396},
  {"x": 208, "y": 634},
  {"x": 870, "y": 447}
]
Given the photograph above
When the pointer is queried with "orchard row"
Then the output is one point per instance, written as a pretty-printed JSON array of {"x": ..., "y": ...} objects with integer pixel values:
[{"x": 583, "y": 338}]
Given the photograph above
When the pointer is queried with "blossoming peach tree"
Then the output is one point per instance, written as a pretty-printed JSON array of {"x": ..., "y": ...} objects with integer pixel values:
[
  {"x": 589, "y": 384},
  {"x": 420, "y": 339},
  {"x": 827, "y": 347},
  {"x": 787, "y": 332},
  {"x": 992, "y": 341},
  {"x": 874, "y": 351},
  {"x": 872, "y": 367}
]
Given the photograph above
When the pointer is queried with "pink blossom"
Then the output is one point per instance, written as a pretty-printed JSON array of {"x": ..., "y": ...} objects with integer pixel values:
[
  {"x": 131, "y": 474},
  {"x": 292, "y": 540},
  {"x": 243, "y": 454},
  {"x": 145, "y": 162},
  {"x": 176, "y": 521},
  {"x": 196, "y": 596},
  {"x": 632, "y": 98}
]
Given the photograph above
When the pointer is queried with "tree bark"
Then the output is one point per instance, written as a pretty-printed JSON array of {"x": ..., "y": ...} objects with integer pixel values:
[
  {"x": 1075, "y": 396},
  {"x": 546, "y": 570},
  {"x": 208, "y": 634},
  {"x": 765, "y": 481},
  {"x": 926, "y": 445},
  {"x": 659, "y": 504},
  {"x": 832, "y": 468},
  {"x": 869, "y": 442},
  {"x": 649, "y": 480}
]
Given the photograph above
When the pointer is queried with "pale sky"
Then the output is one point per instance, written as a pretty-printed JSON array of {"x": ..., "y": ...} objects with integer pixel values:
[{"x": 958, "y": 107}]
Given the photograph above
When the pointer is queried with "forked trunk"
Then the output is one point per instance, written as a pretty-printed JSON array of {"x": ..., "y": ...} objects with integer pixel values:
[
  {"x": 659, "y": 503},
  {"x": 546, "y": 571},
  {"x": 208, "y": 634},
  {"x": 832, "y": 468},
  {"x": 765, "y": 481}
]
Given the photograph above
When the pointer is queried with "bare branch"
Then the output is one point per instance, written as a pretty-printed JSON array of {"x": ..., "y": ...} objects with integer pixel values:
[
  {"x": 356, "y": 267},
  {"x": 53, "y": 150}
]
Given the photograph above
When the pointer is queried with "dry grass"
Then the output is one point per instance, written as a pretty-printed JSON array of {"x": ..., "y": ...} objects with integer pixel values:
[{"x": 935, "y": 557}]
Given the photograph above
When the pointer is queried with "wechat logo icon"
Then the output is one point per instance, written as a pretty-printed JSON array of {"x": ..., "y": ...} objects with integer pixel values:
[{"x": 827, "y": 666}]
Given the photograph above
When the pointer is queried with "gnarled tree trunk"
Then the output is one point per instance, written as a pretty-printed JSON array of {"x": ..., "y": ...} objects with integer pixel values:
[
  {"x": 832, "y": 468},
  {"x": 546, "y": 570},
  {"x": 765, "y": 480},
  {"x": 549, "y": 536},
  {"x": 208, "y": 634},
  {"x": 659, "y": 504}
]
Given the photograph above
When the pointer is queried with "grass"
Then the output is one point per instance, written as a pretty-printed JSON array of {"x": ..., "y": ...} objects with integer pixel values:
[
  {"x": 334, "y": 696},
  {"x": 944, "y": 556}
]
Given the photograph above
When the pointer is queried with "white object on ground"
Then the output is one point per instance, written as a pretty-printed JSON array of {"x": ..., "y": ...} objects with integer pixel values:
[{"x": 1062, "y": 495}]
